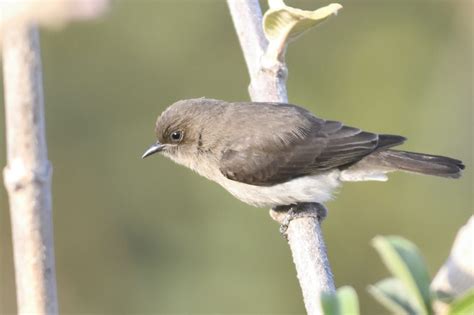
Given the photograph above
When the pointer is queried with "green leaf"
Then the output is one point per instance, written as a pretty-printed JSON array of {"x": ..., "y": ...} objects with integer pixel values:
[
  {"x": 463, "y": 305},
  {"x": 404, "y": 261},
  {"x": 282, "y": 23},
  {"x": 343, "y": 302},
  {"x": 394, "y": 296}
]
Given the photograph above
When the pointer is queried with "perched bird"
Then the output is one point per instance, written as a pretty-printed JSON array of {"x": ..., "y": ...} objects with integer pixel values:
[{"x": 271, "y": 154}]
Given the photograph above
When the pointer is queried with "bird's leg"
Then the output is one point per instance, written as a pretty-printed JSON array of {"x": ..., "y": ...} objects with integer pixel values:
[{"x": 285, "y": 214}]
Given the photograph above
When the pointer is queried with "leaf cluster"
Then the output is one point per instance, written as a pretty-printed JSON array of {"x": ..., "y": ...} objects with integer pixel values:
[{"x": 406, "y": 292}]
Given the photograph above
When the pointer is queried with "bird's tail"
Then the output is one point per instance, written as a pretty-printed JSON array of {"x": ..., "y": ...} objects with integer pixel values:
[{"x": 422, "y": 163}]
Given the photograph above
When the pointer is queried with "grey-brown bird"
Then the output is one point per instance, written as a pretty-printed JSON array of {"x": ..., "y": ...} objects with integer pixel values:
[{"x": 270, "y": 154}]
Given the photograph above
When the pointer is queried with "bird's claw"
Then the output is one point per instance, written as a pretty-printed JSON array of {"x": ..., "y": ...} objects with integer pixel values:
[{"x": 300, "y": 210}]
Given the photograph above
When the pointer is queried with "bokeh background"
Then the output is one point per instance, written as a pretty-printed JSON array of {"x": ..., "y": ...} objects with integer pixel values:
[{"x": 149, "y": 236}]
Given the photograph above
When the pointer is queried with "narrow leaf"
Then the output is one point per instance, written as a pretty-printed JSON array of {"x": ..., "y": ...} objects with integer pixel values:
[
  {"x": 343, "y": 302},
  {"x": 348, "y": 300},
  {"x": 404, "y": 261},
  {"x": 394, "y": 296}
]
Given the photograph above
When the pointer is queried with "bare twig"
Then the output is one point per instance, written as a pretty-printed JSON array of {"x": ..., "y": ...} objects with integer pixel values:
[
  {"x": 28, "y": 172},
  {"x": 268, "y": 83}
]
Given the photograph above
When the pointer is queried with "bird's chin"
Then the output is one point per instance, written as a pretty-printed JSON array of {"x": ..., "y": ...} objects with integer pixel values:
[
  {"x": 167, "y": 154},
  {"x": 182, "y": 157},
  {"x": 170, "y": 152}
]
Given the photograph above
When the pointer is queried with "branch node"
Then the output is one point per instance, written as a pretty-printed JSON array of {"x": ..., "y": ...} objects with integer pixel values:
[{"x": 16, "y": 176}]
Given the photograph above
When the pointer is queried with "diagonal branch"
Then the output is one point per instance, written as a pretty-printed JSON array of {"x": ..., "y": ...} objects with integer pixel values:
[{"x": 268, "y": 83}]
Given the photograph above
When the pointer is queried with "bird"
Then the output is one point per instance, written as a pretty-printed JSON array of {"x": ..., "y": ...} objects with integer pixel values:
[{"x": 270, "y": 154}]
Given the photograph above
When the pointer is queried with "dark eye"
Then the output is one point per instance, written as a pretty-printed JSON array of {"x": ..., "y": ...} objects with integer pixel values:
[{"x": 176, "y": 136}]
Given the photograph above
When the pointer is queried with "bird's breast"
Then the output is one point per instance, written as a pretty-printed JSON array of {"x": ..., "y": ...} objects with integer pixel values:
[
  {"x": 313, "y": 188},
  {"x": 203, "y": 164}
]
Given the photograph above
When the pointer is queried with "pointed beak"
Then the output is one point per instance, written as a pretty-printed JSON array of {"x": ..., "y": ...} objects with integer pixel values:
[{"x": 154, "y": 148}]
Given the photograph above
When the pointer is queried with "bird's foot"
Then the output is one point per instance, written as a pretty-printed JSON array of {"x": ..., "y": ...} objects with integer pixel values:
[{"x": 285, "y": 214}]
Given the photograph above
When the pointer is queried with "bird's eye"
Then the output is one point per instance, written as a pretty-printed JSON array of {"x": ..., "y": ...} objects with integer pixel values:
[{"x": 176, "y": 136}]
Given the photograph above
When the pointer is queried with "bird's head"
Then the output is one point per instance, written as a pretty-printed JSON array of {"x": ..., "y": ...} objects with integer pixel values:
[{"x": 180, "y": 128}]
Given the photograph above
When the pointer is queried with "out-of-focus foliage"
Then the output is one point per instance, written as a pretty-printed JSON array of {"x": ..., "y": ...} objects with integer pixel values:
[
  {"x": 149, "y": 236},
  {"x": 404, "y": 261},
  {"x": 342, "y": 302},
  {"x": 408, "y": 292},
  {"x": 463, "y": 305}
]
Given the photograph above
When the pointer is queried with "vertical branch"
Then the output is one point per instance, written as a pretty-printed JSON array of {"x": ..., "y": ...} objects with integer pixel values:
[
  {"x": 312, "y": 265},
  {"x": 268, "y": 83},
  {"x": 28, "y": 172},
  {"x": 267, "y": 75},
  {"x": 247, "y": 18}
]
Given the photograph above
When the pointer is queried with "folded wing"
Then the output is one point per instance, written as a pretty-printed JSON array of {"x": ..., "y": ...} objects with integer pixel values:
[{"x": 306, "y": 149}]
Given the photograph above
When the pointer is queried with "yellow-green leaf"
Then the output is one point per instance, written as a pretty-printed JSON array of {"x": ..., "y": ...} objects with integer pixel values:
[
  {"x": 343, "y": 302},
  {"x": 463, "y": 305},
  {"x": 404, "y": 261},
  {"x": 394, "y": 296},
  {"x": 283, "y": 23}
]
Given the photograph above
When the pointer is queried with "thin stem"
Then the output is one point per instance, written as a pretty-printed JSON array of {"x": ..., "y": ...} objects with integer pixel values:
[
  {"x": 268, "y": 84},
  {"x": 28, "y": 172}
]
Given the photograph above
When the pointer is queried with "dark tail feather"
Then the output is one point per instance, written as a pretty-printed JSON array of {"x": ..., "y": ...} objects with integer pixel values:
[{"x": 423, "y": 163}]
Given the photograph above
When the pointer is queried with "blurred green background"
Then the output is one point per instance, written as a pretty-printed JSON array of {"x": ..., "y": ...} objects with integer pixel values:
[{"x": 148, "y": 236}]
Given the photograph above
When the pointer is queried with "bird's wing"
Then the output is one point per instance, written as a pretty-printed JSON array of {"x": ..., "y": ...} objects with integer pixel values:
[{"x": 319, "y": 146}]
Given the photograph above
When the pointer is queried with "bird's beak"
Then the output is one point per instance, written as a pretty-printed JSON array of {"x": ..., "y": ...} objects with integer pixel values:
[{"x": 154, "y": 148}]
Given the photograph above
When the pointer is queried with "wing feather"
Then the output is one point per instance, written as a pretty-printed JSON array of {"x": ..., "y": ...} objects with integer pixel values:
[{"x": 311, "y": 147}]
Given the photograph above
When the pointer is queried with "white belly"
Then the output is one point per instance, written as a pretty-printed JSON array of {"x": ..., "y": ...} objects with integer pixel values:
[{"x": 315, "y": 188}]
